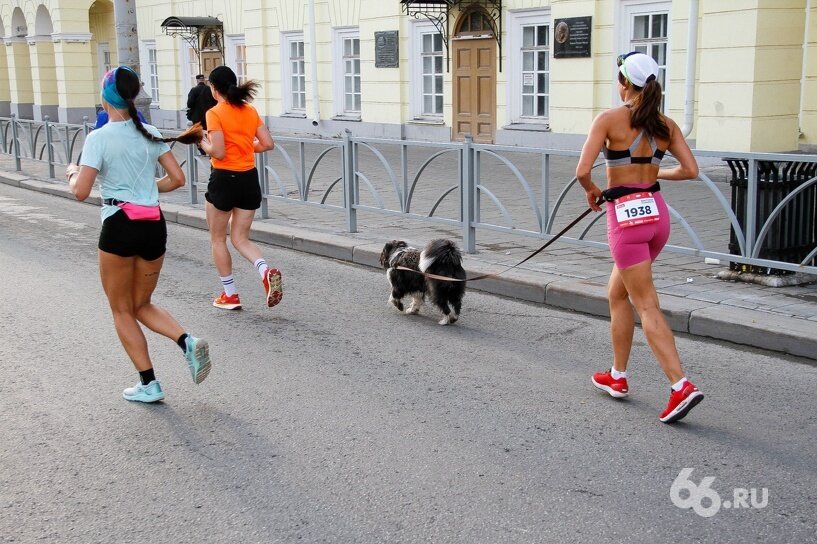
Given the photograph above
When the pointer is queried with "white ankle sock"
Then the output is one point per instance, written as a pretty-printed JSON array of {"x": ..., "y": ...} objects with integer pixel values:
[
  {"x": 677, "y": 386},
  {"x": 228, "y": 283},
  {"x": 261, "y": 266},
  {"x": 618, "y": 375}
]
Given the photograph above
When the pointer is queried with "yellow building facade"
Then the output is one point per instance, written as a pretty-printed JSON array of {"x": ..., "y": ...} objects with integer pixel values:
[{"x": 738, "y": 76}]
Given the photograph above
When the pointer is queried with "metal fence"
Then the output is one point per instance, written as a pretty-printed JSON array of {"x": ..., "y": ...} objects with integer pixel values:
[{"x": 471, "y": 188}]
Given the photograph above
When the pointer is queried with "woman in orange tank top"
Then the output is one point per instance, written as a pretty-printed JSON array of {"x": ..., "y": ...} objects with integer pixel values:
[{"x": 235, "y": 134}]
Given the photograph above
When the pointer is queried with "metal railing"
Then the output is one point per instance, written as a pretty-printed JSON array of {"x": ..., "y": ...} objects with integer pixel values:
[
  {"x": 25, "y": 138},
  {"x": 468, "y": 187}
]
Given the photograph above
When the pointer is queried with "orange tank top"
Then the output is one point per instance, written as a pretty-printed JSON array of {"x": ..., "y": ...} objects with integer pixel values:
[{"x": 239, "y": 125}]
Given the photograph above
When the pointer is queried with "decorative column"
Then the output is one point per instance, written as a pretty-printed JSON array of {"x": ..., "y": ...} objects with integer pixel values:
[
  {"x": 77, "y": 83},
  {"x": 5, "y": 94},
  {"x": 127, "y": 46},
  {"x": 20, "y": 86},
  {"x": 258, "y": 44},
  {"x": 43, "y": 77},
  {"x": 750, "y": 80}
]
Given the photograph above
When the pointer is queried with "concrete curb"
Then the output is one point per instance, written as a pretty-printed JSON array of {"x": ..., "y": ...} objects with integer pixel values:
[
  {"x": 760, "y": 329},
  {"x": 757, "y": 329}
]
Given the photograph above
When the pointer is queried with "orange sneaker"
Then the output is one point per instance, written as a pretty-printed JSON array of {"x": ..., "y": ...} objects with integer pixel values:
[
  {"x": 273, "y": 286},
  {"x": 227, "y": 303}
]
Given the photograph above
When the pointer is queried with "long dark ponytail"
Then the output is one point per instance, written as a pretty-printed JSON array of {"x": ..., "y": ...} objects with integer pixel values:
[
  {"x": 646, "y": 109},
  {"x": 128, "y": 87},
  {"x": 224, "y": 80}
]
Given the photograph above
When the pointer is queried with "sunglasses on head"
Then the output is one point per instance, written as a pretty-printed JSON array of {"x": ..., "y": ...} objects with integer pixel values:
[{"x": 621, "y": 57}]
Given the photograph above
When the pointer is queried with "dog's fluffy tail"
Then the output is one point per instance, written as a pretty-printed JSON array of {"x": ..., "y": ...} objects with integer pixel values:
[{"x": 440, "y": 255}]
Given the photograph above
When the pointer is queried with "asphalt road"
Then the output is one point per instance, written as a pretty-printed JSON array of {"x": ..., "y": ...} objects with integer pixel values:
[{"x": 332, "y": 418}]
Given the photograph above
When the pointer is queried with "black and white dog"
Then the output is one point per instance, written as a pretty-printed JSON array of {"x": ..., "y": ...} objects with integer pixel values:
[{"x": 440, "y": 257}]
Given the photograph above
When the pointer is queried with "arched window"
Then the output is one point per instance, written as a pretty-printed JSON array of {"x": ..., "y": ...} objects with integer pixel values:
[
  {"x": 211, "y": 42},
  {"x": 475, "y": 22}
]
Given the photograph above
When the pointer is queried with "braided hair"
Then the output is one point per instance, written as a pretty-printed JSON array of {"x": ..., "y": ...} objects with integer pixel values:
[{"x": 128, "y": 87}]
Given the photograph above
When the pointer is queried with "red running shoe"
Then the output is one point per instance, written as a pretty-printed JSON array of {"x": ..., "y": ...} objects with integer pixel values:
[
  {"x": 273, "y": 286},
  {"x": 227, "y": 303},
  {"x": 681, "y": 402},
  {"x": 615, "y": 387}
]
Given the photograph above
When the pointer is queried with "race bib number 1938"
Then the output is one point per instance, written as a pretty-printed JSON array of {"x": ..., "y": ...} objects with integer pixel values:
[{"x": 636, "y": 209}]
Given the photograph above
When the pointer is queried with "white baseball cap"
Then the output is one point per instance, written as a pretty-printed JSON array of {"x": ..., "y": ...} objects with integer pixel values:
[{"x": 638, "y": 68}]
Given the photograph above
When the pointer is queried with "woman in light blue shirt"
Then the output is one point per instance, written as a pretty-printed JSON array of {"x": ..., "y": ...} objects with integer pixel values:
[{"x": 122, "y": 156}]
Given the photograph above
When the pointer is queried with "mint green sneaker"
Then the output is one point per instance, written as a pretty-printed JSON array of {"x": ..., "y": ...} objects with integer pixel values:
[
  {"x": 151, "y": 392},
  {"x": 197, "y": 353}
]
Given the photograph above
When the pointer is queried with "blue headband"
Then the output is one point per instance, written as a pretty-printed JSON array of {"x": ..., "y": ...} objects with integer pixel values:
[{"x": 109, "y": 92}]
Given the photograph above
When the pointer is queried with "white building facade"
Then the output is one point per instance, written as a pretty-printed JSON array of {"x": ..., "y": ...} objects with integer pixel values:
[{"x": 526, "y": 72}]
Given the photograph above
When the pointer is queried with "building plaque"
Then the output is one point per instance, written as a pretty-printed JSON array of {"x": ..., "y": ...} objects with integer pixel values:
[
  {"x": 571, "y": 37},
  {"x": 386, "y": 50}
]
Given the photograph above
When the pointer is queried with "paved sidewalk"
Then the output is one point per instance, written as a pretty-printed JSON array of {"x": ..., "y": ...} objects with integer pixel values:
[{"x": 782, "y": 319}]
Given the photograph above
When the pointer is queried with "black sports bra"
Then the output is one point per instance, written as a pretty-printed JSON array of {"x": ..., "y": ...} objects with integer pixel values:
[{"x": 614, "y": 157}]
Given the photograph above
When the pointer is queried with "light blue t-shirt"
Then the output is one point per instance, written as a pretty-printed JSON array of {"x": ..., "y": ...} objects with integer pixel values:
[{"x": 125, "y": 160}]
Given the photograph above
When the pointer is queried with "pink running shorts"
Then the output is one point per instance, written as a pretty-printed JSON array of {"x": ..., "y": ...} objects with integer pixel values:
[{"x": 632, "y": 245}]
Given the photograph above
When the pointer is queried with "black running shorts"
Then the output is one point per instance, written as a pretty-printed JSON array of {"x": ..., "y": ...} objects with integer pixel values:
[
  {"x": 127, "y": 238},
  {"x": 227, "y": 190}
]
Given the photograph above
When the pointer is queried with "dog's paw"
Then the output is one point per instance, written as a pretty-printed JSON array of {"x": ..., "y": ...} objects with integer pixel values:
[
  {"x": 446, "y": 320},
  {"x": 413, "y": 311}
]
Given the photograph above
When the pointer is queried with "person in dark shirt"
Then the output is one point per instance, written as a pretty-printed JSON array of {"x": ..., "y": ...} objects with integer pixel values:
[{"x": 199, "y": 100}]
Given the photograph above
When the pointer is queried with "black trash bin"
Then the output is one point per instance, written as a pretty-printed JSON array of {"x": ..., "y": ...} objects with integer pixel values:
[{"x": 793, "y": 234}]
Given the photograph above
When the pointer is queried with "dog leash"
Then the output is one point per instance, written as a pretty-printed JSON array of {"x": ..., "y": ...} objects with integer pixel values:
[{"x": 529, "y": 257}]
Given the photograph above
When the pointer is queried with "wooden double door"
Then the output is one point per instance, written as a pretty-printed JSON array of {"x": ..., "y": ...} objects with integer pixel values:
[
  {"x": 210, "y": 60},
  {"x": 211, "y": 47},
  {"x": 474, "y": 81}
]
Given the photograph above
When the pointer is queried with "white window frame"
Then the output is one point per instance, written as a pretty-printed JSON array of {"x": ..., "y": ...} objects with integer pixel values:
[
  {"x": 287, "y": 38},
  {"x": 102, "y": 49},
  {"x": 150, "y": 70},
  {"x": 234, "y": 59},
  {"x": 189, "y": 63},
  {"x": 517, "y": 20},
  {"x": 418, "y": 30},
  {"x": 626, "y": 15},
  {"x": 339, "y": 71}
]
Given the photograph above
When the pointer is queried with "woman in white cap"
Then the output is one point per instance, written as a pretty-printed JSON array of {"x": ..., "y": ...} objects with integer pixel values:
[{"x": 634, "y": 138}]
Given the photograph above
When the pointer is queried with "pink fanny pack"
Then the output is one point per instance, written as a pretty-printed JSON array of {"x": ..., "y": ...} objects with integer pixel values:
[{"x": 137, "y": 212}]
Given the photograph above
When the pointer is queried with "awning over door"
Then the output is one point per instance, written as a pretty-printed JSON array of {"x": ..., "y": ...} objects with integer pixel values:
[
  {"x": 199, "y": 32},
  {"x": 190, "y": 23},
  {"x": 420, "y": 3},
  {"x": 438, "y": 12}
]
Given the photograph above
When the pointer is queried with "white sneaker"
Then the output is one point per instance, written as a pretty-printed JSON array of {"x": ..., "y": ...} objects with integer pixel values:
[{"x": 151, "y": 392}]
